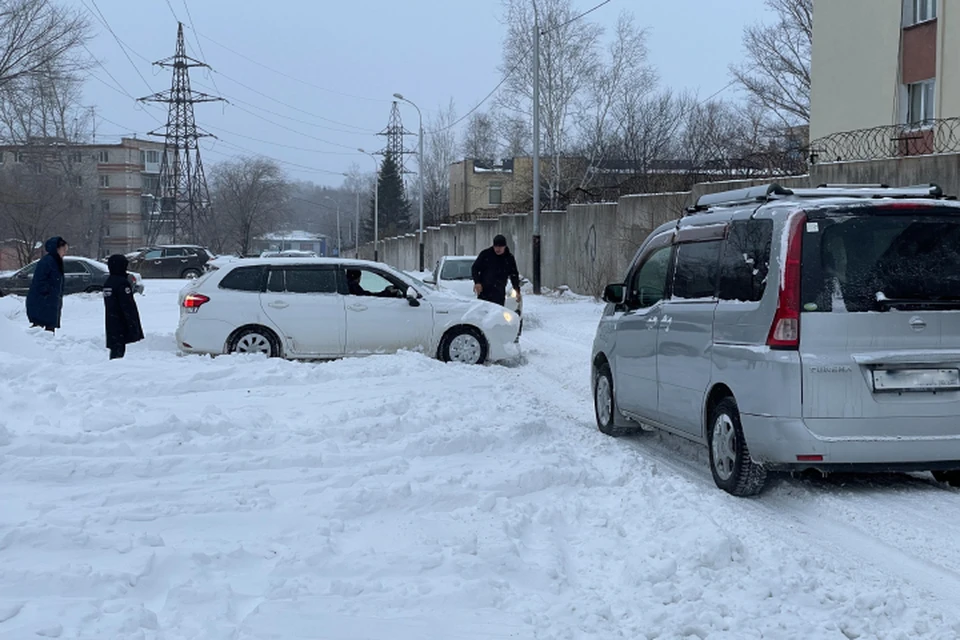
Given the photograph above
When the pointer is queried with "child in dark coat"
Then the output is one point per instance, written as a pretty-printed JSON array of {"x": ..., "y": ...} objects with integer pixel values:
[{"x": 122, "y": 316}]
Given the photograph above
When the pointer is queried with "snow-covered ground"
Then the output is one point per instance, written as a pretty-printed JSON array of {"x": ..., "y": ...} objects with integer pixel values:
[{"x": 401, "y": 498}]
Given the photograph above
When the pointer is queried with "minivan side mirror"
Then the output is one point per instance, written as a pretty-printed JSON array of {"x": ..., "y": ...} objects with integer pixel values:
[
  {"x": 429, "y": 280},
  {"x": 614, "y": 293}
]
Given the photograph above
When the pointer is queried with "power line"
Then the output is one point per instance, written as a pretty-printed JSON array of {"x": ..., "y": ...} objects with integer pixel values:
[
  {"x": 587, "y": 12},
  {"x": 279, "y": 144},
  {"x": 233, "y": 99},
  {"x": 170, "y": 6},
  {"x": 287, "y": 75},
  {"x": 106, "y": 24},
  {"x": 237, "y": 147},
  {"x": 487, "y": 97},
  {"x": 199, "y": 45},
  {"x": 290, "y": 106}
]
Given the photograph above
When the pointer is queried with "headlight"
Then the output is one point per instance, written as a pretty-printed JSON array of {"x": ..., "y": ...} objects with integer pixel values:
[
  {"x": 513, "y": 293},
  {"x": 508, "y": 316}
]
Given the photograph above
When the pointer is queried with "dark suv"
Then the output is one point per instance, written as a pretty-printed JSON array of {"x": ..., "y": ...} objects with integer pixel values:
[{"x": 171, "y": 261}]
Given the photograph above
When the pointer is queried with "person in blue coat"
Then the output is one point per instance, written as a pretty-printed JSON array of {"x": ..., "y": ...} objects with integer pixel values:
[
  {"x": 45, "y": 298},
  {"x": 122, "y": 317}
]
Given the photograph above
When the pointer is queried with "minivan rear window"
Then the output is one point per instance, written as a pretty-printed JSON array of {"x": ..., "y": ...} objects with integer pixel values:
[{"x": 857, "y": 262}]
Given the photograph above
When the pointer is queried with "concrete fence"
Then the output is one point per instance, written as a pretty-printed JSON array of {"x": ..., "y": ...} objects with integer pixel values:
[{"x": 587, "y": 246}]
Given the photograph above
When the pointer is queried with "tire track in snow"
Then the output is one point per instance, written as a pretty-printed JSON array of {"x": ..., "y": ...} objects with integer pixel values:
[{"x": 879, "y": 522}]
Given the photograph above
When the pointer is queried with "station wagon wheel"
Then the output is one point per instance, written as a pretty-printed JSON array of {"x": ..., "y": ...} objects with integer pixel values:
[
  {"x": 465, "y": 345},
  {"x": 733, "y": 469},
  {"x": 255, "y": 340},
  {"x": 190, "y": 274}
]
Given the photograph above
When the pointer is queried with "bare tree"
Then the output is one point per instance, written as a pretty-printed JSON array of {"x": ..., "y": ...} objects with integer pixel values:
[
  {"x": 514, "y": 133},
  {"x": 249, "y": 197},
  {"x": 480, "y": 137},
  {"x": 624, "y": 76},
  {"x": 777, "y": 72},
  {"x": 440, "y": 150}
]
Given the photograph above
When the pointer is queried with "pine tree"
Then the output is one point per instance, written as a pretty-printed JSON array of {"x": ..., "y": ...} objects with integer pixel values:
[{"x": 394, "y": 217}]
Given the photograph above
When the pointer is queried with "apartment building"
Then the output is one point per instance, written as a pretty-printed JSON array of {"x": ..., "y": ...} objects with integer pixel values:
[
  {"x": 112, "y": 186},
  {"x": 880, "y": 63}
]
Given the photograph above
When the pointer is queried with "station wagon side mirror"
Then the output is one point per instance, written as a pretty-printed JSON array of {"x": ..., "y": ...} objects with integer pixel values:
[
  {"x": 412, "y": 296},
  {"x": 614, "y": 293},
  {"x": 429, "y": 280}
]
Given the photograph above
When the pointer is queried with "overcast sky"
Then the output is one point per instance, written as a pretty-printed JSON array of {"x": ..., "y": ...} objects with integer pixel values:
[{"x": 344, "y": 59}]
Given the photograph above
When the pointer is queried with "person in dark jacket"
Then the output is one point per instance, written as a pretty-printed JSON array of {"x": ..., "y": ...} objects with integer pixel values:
[
  {"x": 122, "y": 317},
  {"x": 491, "y": 270},
  {"x": 45, "y": 297}
]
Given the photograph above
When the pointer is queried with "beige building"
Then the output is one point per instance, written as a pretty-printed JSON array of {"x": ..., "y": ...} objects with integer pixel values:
[
  {"x": 882, "y": 63},
  {"x": 114, "y": 185}
]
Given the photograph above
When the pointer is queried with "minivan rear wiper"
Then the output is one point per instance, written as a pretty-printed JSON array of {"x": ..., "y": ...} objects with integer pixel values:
[{"x": 888, "y": 303}]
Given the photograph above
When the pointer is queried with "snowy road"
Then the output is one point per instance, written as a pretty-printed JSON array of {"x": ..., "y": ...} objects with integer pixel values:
[{"x": 399, "y": 497}]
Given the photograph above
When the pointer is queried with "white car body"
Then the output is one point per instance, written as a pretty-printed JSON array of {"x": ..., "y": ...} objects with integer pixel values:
[
  {"x": 452, "y": 273},
  {"x": 333, "y": 324}
]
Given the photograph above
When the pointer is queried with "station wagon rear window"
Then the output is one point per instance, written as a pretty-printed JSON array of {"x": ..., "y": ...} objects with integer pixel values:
[{"x": 873, "y": 261}]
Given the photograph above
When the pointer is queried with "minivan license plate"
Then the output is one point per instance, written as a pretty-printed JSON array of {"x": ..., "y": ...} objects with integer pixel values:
[{"x": 916, "y": 380}]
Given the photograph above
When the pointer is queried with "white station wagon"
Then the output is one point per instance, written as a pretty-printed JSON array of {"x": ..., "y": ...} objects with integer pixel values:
[{"x": 322, "y": 308}]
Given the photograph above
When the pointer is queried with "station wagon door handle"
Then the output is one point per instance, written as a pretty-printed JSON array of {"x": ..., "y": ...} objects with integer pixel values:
[
  {"x": 357, "y": 307},
  {"x": 278, "y": 305},
  {"x": 183, "y": 260},
  {"x": 652, "y": 322}
]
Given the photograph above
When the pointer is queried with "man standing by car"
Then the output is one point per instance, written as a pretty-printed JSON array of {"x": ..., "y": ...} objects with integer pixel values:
[
  {"x": 45, "y": 298},
  {"x": 121, "y": 313},
  {"x": 491, "y": 270}
]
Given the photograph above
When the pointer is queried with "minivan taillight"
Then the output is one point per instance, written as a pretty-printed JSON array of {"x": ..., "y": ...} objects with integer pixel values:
[
  {"x": 193, "y": 301},
  {"x": 785, "y": 330}
]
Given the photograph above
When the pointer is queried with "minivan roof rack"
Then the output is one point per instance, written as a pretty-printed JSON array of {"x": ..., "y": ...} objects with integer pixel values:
[{"x": 765, "y": 193}]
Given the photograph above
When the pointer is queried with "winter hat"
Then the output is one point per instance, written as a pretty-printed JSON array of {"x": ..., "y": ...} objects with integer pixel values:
[{"x": 499, "y": 240}]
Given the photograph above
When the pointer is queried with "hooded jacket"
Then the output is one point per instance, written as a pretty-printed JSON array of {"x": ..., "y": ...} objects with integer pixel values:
[
  {"x": 493, "y": 271},
  {"x": 122, "y": 317},
  {"x": 45, "y": 297}
]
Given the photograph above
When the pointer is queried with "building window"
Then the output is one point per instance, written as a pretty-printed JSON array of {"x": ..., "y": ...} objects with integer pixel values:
[
  {"x": 495, "y": 192},
  {"x": 37, "y": 167},
  {"x": 917, "y": 11},
  {"x": 104, "y": 181},
  {"x": 920, "y": 102},
  {"x": 106, "y": 231},
  {"x": 18, "y": 157},
  {"x": 75, "y": 157},
  {"x": 103, "y": 156},
  {"x": 1, "y": 157},
  {"x": 153, "y": 157},
  {"x": 79, "y": 181},
  {"x": 105, "y": 206}
]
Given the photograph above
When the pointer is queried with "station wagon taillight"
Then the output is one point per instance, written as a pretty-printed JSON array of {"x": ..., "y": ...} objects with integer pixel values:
[
  {"x": 194, "y": 301},
  {"x": 785, "y": 329}
]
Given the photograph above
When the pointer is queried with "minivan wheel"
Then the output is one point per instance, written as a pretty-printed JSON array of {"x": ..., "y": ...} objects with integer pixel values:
[
  {"x": 609, "y": 421},
  {"x": 190, "y": 274},
  {"x": 733, "y": 469},
  {"x": 950, "y": 477},
  {"x": 255, "y": 340}
]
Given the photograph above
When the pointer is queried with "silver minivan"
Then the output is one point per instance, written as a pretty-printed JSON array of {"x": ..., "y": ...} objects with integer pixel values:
[{"x": 792, "y": 329}]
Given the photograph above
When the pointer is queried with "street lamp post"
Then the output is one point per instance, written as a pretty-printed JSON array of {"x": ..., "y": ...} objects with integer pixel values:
[
  {"x": 420, "y": 171},
  {"x": 356, "y": 233},
  {"x": 376, "y": 204},
  {"x": 339, "y": 253}
]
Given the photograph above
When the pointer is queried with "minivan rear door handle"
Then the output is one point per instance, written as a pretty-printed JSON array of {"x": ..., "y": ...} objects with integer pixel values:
[
  {"x": 277, "y": 304},
  {"x": 666, "y": 322}
]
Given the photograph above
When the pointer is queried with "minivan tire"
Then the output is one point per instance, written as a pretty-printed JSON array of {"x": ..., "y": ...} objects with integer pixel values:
[
  {"x": 609, "y": 420},
  {"x": 950, "y": 477},
  {"x": 730, "y": 463}
]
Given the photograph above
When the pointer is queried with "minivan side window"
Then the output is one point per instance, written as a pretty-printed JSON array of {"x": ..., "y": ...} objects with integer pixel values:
[
  {"x": 696, "y": 273},
  {"x": 649, "y": 283},
  {"x": 745, "y": 260},
  {"x": 243, "y": 279}
]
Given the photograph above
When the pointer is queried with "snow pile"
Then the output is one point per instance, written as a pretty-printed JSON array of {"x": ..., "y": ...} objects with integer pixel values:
[{"x": 399, "y": 497}]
